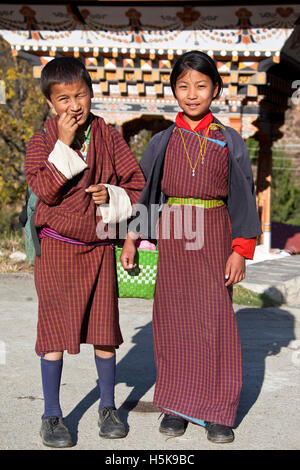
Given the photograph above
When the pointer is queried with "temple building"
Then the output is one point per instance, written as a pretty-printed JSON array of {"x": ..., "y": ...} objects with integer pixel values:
[{"x": 129, "y": 49}]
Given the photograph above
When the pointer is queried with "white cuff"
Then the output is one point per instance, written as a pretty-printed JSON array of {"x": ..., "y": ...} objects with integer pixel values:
[
  {"x": 66, "y": 160},
  {"x": 119, "y": 207}
]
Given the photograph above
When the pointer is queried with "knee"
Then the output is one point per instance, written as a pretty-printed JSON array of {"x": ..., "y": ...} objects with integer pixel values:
[{"x": 104, "y": 351}]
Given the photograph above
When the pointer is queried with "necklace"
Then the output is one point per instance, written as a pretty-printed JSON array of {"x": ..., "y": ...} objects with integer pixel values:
[
  {"x": 212, "y": 126},
  {"x": 83, "y": 145},
  {"x": 202, "y": 150}
]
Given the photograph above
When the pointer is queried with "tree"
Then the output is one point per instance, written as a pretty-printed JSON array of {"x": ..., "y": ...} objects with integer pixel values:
[
  {"x": 23, "y": 114},
  {"x": 138, "y": 143},
  {"x": 285, "y": 192},
  {"x": 253, "y": 149}
]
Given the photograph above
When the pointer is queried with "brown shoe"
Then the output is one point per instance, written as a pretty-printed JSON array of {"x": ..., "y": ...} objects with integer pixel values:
[{"x": 219, "y": 433}]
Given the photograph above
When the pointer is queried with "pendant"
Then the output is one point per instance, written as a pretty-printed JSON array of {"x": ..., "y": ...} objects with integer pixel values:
[{"x": 193, "y": 173}]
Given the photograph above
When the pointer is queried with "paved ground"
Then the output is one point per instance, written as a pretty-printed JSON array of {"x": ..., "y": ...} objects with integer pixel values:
[{"x": 269, "y": 412}]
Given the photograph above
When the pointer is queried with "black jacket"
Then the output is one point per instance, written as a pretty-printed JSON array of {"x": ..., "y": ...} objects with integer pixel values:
[{"x": 240, "y": 202}]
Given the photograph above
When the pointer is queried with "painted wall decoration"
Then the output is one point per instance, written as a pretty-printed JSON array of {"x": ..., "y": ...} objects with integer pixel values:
[
  {"x": 129, "y": 51},
  {"x": 158, "y": 28}
]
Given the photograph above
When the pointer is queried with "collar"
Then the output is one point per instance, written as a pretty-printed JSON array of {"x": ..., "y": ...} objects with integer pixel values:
[{"x": 203, "y": 124}]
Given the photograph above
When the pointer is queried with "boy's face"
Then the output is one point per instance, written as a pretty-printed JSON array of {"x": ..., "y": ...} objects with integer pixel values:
[{"x": 73, "y": 99}]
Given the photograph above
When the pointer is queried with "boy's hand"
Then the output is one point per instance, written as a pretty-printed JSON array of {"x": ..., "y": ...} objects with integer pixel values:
[
  {"x": 67, "y": 127},
  {"x": 235, "y": 269},
  {"x": 99, "y": 193}
]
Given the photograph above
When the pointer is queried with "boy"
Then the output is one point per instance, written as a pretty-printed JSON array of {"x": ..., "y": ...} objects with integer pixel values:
[{"x": 69, "y": 166}]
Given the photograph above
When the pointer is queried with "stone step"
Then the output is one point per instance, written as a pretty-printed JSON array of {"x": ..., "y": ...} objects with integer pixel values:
[{"x": 278, "y": 278}]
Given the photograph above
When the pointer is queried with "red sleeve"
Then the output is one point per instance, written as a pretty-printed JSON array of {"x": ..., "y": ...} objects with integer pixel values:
[{"x": 244, "y": 246}]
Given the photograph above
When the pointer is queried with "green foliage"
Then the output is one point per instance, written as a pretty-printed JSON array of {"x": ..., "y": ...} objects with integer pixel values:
[
  {"x": 22, "y": 115},
  {"x": 139, "y": 142},
  {"x": 242, "y": 296},
  {"x": 285, "y": 192},
  {"x": 8, "y": 216},
  {"x": 253, "y": 149}
]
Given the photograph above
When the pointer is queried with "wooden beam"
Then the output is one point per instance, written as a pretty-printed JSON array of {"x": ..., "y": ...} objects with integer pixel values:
[{"x": 264, "y": 182}]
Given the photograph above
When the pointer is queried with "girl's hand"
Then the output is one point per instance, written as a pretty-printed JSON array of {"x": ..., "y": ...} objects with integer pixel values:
[
  {"x": 235, "y": 269},
  {"x": 128, "y": 253},
  {"x": 67, "y": 127},
  {"x": 99, "y": 193}
]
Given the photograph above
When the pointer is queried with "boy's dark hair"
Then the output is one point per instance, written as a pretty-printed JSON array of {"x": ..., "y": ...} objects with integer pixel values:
[
  {"x": 199, "y": 61},
  {"x": 63, "y": 70}
]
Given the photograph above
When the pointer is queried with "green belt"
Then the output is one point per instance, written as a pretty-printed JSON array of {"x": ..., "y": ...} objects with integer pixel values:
[{"x": 205, "y": 203}]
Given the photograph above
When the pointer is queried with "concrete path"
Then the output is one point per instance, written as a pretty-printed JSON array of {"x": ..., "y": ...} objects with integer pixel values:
[{"x": 269, "y": 411}]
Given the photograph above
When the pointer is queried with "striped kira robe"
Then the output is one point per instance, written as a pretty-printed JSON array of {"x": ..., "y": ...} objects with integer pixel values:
[
  {"x": 76, "y": 284},
  {"x": 196, "y": 340}
]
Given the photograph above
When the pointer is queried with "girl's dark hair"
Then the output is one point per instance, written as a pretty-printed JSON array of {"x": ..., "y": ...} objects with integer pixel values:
[
  {"x": 63, "y": 70},
  {"x": 199, "y": 61}
]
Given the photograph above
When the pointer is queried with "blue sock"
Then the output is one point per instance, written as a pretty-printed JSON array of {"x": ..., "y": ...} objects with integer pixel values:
[
  {"x": 51, "y": 376},
  {"x": 106, "y": 369}
]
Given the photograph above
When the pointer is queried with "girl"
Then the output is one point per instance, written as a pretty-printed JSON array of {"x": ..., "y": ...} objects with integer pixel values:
[{"x": 198, "y": 165}]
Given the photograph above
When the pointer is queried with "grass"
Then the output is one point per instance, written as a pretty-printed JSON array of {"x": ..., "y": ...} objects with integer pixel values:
[
  {"x": 242, "y": 296},
  {"x": 9, "y": 243}
]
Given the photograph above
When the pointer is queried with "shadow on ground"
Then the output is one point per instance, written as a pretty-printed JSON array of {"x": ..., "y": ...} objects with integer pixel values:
[
  {"x": 136, "y": 370},
  {"x": 263, "y": 332}
]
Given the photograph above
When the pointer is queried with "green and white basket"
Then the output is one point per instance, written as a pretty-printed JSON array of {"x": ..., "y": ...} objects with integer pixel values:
[{"x": 140, "y": 281}]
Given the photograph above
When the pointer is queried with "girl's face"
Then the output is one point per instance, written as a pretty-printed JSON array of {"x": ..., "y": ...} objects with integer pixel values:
[{"x": 194, "y": 93}]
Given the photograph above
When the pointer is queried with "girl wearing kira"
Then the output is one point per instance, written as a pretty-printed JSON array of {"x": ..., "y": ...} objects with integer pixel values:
[{"x": 198, "y": 162}]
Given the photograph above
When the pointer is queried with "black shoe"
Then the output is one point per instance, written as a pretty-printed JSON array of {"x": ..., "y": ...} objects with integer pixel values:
[
  {"x": 54, "y": 433},
  {"x": 172, "y": 425},
  {"x": 111, "y": 427},
  {"x": 219, "y": 433}
]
